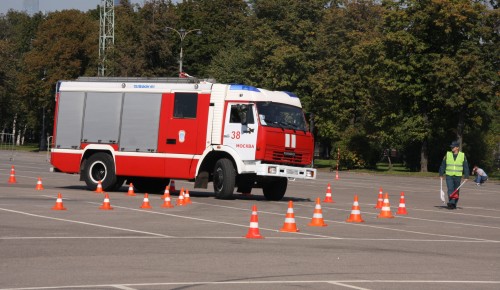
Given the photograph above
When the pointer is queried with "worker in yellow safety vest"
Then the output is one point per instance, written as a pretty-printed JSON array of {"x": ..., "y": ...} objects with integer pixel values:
[{"x": 454, "y": 166}]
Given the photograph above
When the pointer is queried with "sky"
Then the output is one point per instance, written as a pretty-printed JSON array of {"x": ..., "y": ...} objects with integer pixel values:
[{"x": 53, "y": 5}]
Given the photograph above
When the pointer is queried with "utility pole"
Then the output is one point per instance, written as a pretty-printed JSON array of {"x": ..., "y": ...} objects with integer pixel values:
[{"x": 106, "y": 35}]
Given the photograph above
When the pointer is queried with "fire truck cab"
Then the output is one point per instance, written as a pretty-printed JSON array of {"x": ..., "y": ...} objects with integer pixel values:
[{"x": 149, "y": 131}]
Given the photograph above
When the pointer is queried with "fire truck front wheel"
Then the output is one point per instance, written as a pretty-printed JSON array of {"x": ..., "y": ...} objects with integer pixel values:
[
  {"x": 224, "y": 179},
  {"x": 275, "y": 188},
  {"x": 100, "y": 167}
]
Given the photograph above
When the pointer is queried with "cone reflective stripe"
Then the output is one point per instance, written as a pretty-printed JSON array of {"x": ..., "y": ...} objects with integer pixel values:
[
  {"x": 385, "y": 212},
  {"x": 187, "y": 198},
  {"x": 380, "y": 200},
  {"x": 166, "y": 200},
  {"x": 317, "y": 220},
  {"x": 180, "y": 199},
  {"x": 59, "y": 203},
  {"x": 355, "y": 216},
  {"x": 131, "y": 190},
  {"x": 12, "y": 178},
  {"x": 328, "y": 196},
  {"x": 145, "y": 202},
  {"x": 253, "y": 231},
  {"x": 172, "y": 186},
  {"x": 106, "y": 205},
  {"x": 99, "y": 187},
  {"x": 289, "y": 225},
  {"x": 39, "y": 185},
  {"x": 402, "y": 205}
]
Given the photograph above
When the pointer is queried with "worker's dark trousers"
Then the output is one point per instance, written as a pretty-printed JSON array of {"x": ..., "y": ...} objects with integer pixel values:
[{"x": 453, "y": 182}]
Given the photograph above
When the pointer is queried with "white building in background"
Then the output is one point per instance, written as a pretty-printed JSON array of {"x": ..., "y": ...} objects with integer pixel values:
[{"x": 31, "y": 7}]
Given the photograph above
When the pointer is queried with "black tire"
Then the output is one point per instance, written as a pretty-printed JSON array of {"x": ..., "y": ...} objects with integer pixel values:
[
  {"x": 100, "y": 166},
  {"x": 224, "y": 179},
  {"x": 150, "y": 184},
  {"x": 275, "y": 188}
]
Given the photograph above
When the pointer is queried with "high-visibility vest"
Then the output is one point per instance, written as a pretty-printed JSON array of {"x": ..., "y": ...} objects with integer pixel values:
[{"x": 455, "y": 167}]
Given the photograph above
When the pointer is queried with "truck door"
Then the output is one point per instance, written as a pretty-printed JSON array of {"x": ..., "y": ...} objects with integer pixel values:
[
  {"x": 241, "y": 137},
  {"x": 183, "y": 132}
]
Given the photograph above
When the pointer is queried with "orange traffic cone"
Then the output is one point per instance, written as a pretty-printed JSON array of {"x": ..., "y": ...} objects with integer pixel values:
[
  {"x": 131, "y": 190},
  {"x": 337, "y": 175},
  {"x": 385, "y": 212},
  {"x": 167, "y": 201},
  {"x": 187, "y": 198},
  {"x": 317, "y": 220},
  {"x": 106, "y": 205},
  {"x": 39, "y": 185},
  {"x": 12, "y": 178},
  {"x": 355, "y": 216},
  {"x": 167, "y": 190},
  {"x": 99, "y": 187},
  {"x": 328, "y": 196},
  {"x": 172, "y": 186},
  {"x": 253, "y": 231},
  {"x": 380, "y": 200},
  {"x": 180, "y": 199},
  {"x": 289, "y": 225},
  {"x": 402, "y": 205},
  {"x": 145, "y": 202},
  {"x": 59, "y": 203}
]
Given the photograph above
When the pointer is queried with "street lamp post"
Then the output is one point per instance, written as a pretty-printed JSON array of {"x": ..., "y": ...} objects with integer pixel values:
[{"x": 182, "y": 34}]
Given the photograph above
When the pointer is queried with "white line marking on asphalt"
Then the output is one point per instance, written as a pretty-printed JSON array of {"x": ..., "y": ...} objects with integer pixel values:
[
  {"x": 348, "y": 286},
  {"x": 83, "y": 223},
  {"x": 249, "y": 282},
  {"x": 123, "y": 287}
]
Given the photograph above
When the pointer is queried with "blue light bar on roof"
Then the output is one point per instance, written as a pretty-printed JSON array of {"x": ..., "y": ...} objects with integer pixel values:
[
  {"x": 243, "y": 88},
  {"x": 291, "y": 94}
]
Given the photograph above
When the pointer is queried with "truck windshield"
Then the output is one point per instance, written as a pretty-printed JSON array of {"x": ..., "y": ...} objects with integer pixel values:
[{"x": 281, "y": 116}]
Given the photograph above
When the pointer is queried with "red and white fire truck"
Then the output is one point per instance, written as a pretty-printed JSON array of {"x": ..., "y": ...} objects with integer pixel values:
[{"x": 149, "y": 131}]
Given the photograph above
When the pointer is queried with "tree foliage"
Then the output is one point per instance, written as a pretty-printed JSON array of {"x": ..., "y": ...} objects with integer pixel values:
[{"x": 408, "y": 75}]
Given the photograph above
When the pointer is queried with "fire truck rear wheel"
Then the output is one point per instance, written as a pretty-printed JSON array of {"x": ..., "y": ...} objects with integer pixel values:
[
  {"x": 224, "y": 179},
  {"x": 100, "y": 166},
  {"x": 275, "y": 188}
]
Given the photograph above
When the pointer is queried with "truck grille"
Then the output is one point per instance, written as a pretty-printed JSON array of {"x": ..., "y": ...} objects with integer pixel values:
[{"x": 287, "y": 157}]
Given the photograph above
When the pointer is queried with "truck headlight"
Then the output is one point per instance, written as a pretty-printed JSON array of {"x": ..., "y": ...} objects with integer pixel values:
[
  {"x": 272, "y": 170},
  {"x": 309, "y": 173}
]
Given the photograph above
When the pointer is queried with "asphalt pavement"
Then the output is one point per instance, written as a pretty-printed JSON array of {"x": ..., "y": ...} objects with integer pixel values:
[{"x": 203, "y": 245}]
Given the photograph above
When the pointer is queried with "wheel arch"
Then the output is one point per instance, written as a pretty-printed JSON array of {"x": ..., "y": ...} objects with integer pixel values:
[
  {"x": 210, "y": 157},
  {"x": 93, "y": 149}
]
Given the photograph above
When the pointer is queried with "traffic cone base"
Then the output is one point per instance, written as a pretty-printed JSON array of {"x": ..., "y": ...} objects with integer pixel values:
[
  {"x": 317, "y": 220},
  {"x": 106, "y": 205},
  {"x": 289, "y": 225},
  {"x": 59, "y": 203},
  {"x": 355, "y": 216},
  {"x": 385, "y": 212},
  {"x": 39, "y": 185},
  {"x": 253, "y": 231}
]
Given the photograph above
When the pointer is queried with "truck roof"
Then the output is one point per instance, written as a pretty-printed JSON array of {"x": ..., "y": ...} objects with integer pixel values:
[{"x": 234, "y": 92}]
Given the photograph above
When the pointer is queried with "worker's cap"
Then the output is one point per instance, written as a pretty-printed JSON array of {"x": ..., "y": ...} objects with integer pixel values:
[{"x": 454, "y": 144}]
